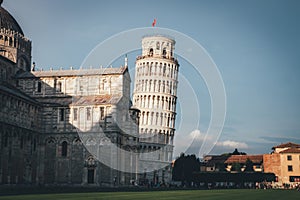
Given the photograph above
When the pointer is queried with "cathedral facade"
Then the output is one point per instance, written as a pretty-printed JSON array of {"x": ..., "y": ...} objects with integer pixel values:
[{"x": 78, "y": 126}]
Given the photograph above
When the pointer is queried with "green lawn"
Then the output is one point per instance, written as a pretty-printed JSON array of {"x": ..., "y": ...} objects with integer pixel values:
[{"x": 181, "y": 194}]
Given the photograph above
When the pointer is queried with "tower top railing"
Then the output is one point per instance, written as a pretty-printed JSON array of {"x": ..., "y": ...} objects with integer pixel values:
[
  {"x": 157, "y": 56},
  {"x": 159, "y": 35}
]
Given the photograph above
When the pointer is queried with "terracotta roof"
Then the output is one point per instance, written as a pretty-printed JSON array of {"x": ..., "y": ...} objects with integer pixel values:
[
  {"x": 291, "y": 150},
  {"x": 75, "y": 72},
  {"x": 287, "y": 145},
  {"x": 216, "y": 160},
  {"x": 56, "y": 101},
  {"x": 243, "y": 158},
  {"x": 96, "y": 100}
]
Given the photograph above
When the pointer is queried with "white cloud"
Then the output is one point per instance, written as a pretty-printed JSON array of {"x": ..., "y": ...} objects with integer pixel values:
[
  {"x": 183, "y": 141},
  {"x": 196, "y": 134},
  {"x": 233, "y": 144}
]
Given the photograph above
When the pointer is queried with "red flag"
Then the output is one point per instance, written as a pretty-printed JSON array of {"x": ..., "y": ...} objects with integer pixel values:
[{"x": 154, "y": 23}]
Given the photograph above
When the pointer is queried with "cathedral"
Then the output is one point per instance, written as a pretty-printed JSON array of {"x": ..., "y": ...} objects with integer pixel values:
[{"x": 80, "y": 126}]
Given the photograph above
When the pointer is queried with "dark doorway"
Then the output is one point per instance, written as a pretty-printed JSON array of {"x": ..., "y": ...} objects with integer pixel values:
[{"x": 90, "y": 177}]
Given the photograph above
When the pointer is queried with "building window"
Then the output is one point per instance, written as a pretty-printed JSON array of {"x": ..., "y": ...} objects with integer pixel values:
[
  {"x": 157, "y": 45},
  {"x": 39, "y": 87},
  {"x": 58, "y": 87},
  {"x": 294, "y": 178},
  {"x": 88, "y": 113},
  {"x": 75, "y": 113},
  {"x": 61, "y": 114},
  {"x": 90, "y": 176},
  {"x": 102, "y": 113},
  {"x": 289, "y": 157},
  {"x": 164, "y": 53},
  {"x": 151, "y": 52},
  {"x": 290, "y": 168},
  {"x": 64, "y": 149}
]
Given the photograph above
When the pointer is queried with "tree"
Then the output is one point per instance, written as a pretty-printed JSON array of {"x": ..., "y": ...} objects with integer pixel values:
[
  {"x": 236, "y": 152},
  {"x": 221, "y": 167},
  {"x": 236, "y": 167},
  {"x": 184, "y": 167},
  {"x": 249, "y": 166}
]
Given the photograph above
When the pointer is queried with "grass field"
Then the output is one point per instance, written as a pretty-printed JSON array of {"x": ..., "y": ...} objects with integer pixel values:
[{"x": 180, "y": 194}]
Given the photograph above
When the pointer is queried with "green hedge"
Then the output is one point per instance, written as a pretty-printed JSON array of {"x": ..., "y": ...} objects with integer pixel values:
[{"x": 242, "y": 177}]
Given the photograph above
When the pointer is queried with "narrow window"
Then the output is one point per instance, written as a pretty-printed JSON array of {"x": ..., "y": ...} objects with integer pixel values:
[
  {"x": 59, "y": 87},
  {"x": 102, "y": 113},
  {"x": 75, "y": 113},
  {"x": 164, "y": 53},
  {"x": 61, "y": 114},
  {"x": 64, "y": 149},
  {"x": 151, "y": 52},
  {"x": 157, "y": 45},
  {"x": 90, "y": 176},
  {"x": 290, "y": 168},
  {"x": 39, "y": 87},
  {"x": 88, "y": 113},
  {"x": 289, "y": 157}
]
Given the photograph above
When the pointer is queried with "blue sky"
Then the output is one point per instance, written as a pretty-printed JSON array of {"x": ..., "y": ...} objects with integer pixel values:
[{"x": 255, "y": 45}]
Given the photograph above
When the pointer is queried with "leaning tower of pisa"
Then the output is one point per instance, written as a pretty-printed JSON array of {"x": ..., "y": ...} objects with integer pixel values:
[{"x": 155, "y": 96}]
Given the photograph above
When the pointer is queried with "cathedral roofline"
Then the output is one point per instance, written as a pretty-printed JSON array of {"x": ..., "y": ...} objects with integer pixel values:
[
  {"x": 75, "y": 72},
  {"x": 11, "y": 90},
  {"x": 7, "y": 21}
]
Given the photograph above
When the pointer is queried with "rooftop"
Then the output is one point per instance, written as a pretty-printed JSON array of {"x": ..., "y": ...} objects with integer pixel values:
[
  {"x": 287, "y": 145},
  {"x": 96, "y": 100},
  {"x": 75, "y": 72},
  {"x": 291, "y": 150},
  {"x": 8, "y": 88},
  {"x": 243, "y": 158},
  {"x": 7, "y": 22}
]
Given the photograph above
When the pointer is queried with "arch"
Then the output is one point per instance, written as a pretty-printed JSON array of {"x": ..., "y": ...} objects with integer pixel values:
[
  {"x": 90, "y": 161},
  {"x": 156, "y": 120},
  {"x": 154, "y": 85},
  {"x": 151, "y": 52},
  {"x": 167, "y": 87},
  {"x": 142, "y": 86},
  {"x": 10, "y": 41},
  {"x": 148, "y": 101},
  {"x": 152, "y": 118},
  {"x": 50, "y": 141},
  {"x": 150, "y": 85},
  {"x": 151, "y": 69},
  {"x": 159, "y": 85},
  {"x": 155, "y": 68},
  {"x": 157, "y": 45},
  {"x": 160, "y": 69},
  {"x": 77, "y": 141},
  {"x": 153, "y": 102},
  {"x": 172, "y": 71},
  {"x": 164, "y": 52},
  {"x": 146, "y": 85}
]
